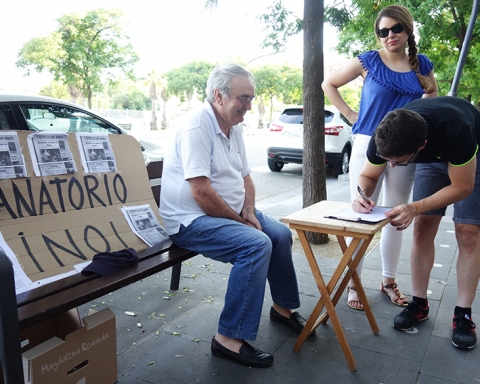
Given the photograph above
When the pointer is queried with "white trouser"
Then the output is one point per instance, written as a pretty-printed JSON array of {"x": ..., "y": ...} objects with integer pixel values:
[{"x": 396, "y": 184}]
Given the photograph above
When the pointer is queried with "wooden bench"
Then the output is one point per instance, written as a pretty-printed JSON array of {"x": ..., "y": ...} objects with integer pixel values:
[{"x": 32, "y": 307}]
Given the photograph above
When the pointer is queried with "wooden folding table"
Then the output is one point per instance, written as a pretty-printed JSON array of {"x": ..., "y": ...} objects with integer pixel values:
[{"x": 312, "y": 219}]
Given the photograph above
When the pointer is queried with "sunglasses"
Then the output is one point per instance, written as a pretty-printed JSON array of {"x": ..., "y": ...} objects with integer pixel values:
[
  {"x": 396, "y": 29},
  {"x": 399, "y": 164}
]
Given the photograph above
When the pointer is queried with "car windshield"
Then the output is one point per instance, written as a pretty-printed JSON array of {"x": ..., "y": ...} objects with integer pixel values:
[
  {"x": 295, "y": 116},
  {"x": 48, "y": 117}
]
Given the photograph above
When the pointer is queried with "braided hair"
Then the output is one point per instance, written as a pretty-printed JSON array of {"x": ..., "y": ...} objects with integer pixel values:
[{"x": 401, "y": 13}]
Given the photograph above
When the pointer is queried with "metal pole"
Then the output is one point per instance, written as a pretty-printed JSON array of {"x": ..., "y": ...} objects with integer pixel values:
[{"x": 464, "y": 52}]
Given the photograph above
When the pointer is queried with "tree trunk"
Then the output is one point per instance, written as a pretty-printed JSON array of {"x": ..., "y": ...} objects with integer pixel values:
[
  {"x": 153, "y": 98},
  {"x": 261, "y": 113},
  {"x": 90, "y": 94},
  {"x": 314, "y": 185},
  {"x": 163, "y": 96},
  {"x": 153, "y": 122},
  {"x": 189, "y": 96},
  {"x": 271, "y": 109},
  {"x": 74, "y": 93}
]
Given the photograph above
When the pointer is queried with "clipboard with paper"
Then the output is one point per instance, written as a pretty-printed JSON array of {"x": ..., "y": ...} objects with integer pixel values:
[{"x": 348, "y": 214}]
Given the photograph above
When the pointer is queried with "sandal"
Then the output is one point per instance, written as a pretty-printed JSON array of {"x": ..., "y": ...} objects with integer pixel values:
[
  {"x": 399, "y": 300},
  {"x": 353, "y": 300}
]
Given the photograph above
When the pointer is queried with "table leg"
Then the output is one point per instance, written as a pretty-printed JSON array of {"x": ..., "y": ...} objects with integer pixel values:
[
  {"x": 325, "y": 300},
  {"x": 352, "y": 273}
]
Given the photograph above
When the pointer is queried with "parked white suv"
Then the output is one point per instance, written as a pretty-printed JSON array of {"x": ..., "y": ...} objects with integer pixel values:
[{"x": 287, "y": 140}]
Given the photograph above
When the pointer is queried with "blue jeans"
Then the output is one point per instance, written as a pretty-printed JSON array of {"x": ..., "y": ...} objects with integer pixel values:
[{"x": 256, "y": 256}]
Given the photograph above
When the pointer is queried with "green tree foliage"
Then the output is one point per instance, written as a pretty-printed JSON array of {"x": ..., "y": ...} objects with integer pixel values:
[
  {"x": 350, "y": 94},
  {"x": 85, "y": 52},
  {"x": 442, "y": 26},
  {"x": 284, "y": 83},
  {"x": 134, "y": 100},
  {"x": 268, "y": 84},
  {"x": 292, "y": 92},
  {"x": 280, "y": 24},
  {"x": 55, "y": 89},
  {"x": 189, "y": 78}
]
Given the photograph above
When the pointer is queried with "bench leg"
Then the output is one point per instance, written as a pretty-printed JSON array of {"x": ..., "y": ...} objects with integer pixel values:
[
  {"x": 175, "y": 280},
  {"x": 10, "y": 351}
]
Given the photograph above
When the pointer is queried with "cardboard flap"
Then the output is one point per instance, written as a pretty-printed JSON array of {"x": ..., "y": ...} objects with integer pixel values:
[
  {"x": 93, "y": 320},
  {"x": 42, "y": 348}
]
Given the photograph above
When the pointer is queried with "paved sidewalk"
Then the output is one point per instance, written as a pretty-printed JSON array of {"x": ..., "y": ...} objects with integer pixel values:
[{"x": 173, "y": 343}]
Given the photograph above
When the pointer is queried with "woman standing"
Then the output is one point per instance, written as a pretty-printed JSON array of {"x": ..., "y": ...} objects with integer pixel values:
[{"x": 392, "y": 78}]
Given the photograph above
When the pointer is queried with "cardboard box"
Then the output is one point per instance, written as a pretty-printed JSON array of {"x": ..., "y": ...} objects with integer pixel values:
[
  {"x": 56, "y": 326},
  {"x": 86, "y": 355}
]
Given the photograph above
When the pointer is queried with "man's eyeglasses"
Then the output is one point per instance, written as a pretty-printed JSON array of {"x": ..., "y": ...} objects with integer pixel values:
[
  {"x": 396, "y": 29},
  {"x": 396, "y": 163},
  {"x": 244, "y": 99}
]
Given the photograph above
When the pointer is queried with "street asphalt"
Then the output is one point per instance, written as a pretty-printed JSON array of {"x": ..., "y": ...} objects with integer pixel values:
[{"x": 168, "y": 341}]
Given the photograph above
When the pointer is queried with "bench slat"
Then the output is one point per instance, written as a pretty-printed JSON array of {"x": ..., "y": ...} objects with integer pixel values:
[
  {"x": 75, "y": 296},
  {"x": 77, "y": 279}
]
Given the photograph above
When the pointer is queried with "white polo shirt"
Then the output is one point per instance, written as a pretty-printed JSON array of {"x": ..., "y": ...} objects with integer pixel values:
[{"x": 202, "y": 149}]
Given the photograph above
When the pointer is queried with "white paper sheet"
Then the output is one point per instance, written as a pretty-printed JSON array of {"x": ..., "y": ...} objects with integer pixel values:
[{"x": 348, "y": 214}]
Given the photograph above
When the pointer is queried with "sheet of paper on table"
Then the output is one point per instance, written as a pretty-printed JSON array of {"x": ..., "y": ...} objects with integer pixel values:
[{"x": 348, "y": 214}]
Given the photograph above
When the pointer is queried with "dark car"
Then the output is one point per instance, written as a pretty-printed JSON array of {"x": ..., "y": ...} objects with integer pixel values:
[
  {"x": 287, "y": 140},
  {"x": 38, "y": 113}
]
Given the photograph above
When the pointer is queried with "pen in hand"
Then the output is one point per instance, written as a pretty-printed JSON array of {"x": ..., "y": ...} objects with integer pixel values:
[{"x": 363, "y": 196}]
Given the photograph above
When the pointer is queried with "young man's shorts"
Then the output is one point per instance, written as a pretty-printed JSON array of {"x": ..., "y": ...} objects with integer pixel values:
[{"x": 431, "y": 177}]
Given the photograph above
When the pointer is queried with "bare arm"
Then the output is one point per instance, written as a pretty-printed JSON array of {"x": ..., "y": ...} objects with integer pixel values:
[
  {"x": 434, "y": 90},
  {"x": 343, "y": 76},
  {"x": 248, "y": 210},
  {"x": 210, "y": 201},
  {"x": 462, "y": 182},
  {"x": 367, "y": 181}
]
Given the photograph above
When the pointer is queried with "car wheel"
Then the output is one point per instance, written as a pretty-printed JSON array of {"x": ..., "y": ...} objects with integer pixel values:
[
  {"x": 343, "y": 167},
  {"x": 275, "y": 166}
]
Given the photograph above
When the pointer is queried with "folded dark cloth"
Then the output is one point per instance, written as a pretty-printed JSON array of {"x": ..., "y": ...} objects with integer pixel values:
[{"x": 109, "y": 262}]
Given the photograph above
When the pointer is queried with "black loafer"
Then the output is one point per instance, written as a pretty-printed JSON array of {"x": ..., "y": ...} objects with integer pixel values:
[
  {"x": 295, "y": 322},
  {"x": 248, "y": 356}
]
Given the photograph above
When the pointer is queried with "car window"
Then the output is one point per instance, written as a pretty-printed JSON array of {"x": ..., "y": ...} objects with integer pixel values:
[
  {"x": 345, "y": 120},
  {"x": 292, "y": 116},
  {"x": 51, "y": 117},
  {"x": 328, "y": 116},
  {"x": 7, "y": 121},
  {"x": 295, "y": 116}
]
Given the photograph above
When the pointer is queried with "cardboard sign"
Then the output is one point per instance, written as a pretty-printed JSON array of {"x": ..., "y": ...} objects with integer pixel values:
[{"x": 54, "y": 222}]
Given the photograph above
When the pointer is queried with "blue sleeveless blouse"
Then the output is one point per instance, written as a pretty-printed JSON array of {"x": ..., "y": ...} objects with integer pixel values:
[{"x": 385, "y": 90}]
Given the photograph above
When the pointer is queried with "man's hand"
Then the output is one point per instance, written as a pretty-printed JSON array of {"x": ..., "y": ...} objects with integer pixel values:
[
  {"x": 402, "y": 216},
  {"x": 251, "y": 220},
  {"x": 248, "y": 210},
  {"x": 363, "y": 203}
]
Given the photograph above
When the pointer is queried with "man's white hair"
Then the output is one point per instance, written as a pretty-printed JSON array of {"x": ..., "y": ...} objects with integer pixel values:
[{"x": 221, "y": 77}]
